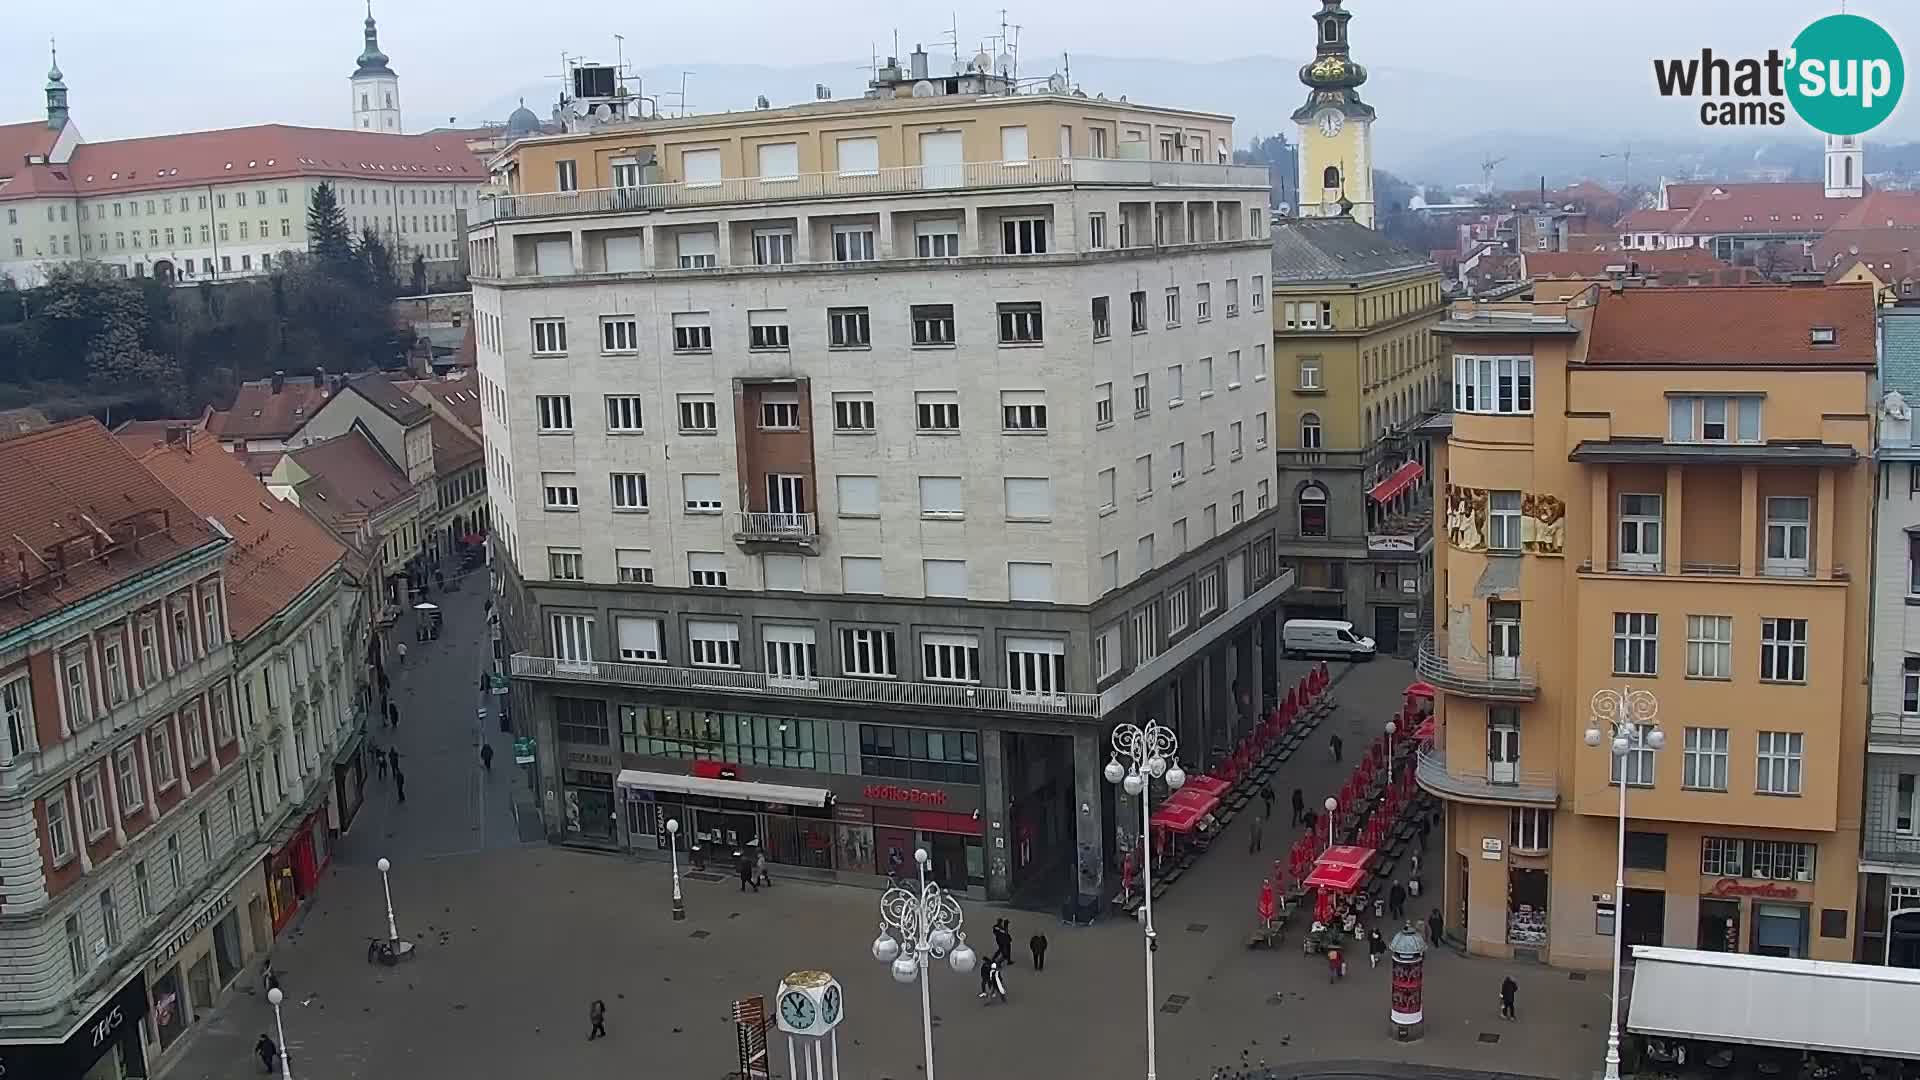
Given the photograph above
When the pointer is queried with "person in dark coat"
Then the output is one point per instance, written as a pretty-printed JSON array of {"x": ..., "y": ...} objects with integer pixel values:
[
  {"x": 597, "y": 1016},
  {"x": 1256, "y": 836},
  {"x": 1334, "y": 745},
  {"x": 393, "y": 759},
  {"x": 1376, "y": 947},
  {"x": 400, "y": 783},
  {"x": 1037, "y": 944},
  {"x": 1002, "y": 942},
  {"x": 486, "y": 756},
  {"x": 393, "y": 714},
  {"x": 1508, "y": 991},
  {"x": 1397, "y": 901},
  {"x": 1434, "y": 926},
  {"x": 744, "y": 867},
  {"x": 1299, "y": 805},
  {"x": 266, "y": 1051},
  {"x": 1266, "y": 796}
]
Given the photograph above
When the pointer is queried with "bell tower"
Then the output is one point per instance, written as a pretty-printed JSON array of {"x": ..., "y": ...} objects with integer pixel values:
[
  {"x": 57, "y": 113},
  {"x": 376, "y": 89},
  {"x": 1846, "y": 167},
  {"x": 1336, "y": 127}
]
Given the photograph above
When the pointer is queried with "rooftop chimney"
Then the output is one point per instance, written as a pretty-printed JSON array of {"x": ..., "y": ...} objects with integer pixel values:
[
  {"x": 918, "y": 58},
  {"x": 320, "y": 379},
  {"x": 179, "y": 434},
  {"x": 279, "y": 381}
]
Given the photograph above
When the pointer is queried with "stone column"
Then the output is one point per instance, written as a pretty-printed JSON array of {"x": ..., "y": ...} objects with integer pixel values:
[
  {"x": 1750, "y": 538},
  {"x": 1090, "y": 828},
  {"x": 993, "y": 809}
]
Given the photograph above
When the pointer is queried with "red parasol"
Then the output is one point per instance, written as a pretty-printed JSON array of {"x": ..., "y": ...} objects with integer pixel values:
[
  {"x": 1421, "y": 690},
  {"x": 1207, "y": 785},
  {"x": 1266, "y": 901}
]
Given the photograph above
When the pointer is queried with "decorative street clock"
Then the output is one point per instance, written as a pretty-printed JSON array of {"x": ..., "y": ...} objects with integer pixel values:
[{"x": 810, "y": 1006}]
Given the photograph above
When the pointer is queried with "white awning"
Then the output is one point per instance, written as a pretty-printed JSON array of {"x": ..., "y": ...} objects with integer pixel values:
[
  {"x": 679, "y": 784},
  {"x": 1812, "y": 1004}
]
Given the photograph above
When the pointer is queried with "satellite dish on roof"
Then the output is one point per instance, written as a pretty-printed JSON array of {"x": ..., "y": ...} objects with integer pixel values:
[
  {"x": 982, "y": 62},
  {"x": 923, "y": 88},
  {"x": 602, "y": 113},
  {"x": 1056, "y": 83},
  {"x": 1003, "y": 64}
]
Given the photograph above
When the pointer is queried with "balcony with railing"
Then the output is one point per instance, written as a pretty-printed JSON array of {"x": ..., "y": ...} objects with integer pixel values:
[
  {"x": 888, "y": 693},
  {"x": 761, "y": 530},
  {"x": 899, "y": 180},
  {"x": 1493, "y": 678},
  {"x": 1893, "y": 731},
  {"x": 1891, "y": 834},
  {"x": 1482, "y": 780}
]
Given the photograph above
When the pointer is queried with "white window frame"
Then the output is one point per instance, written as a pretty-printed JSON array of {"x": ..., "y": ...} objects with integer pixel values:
[
  {"x": 1024, "y": 235},
  {"x": 950, "y": 658},
  {"x": 1709, "y": 646},
  {"x": 942, "y": 497},
  {"x": 936, "y": 411},
  {"x": 779, "y": 411},
  {"x": 849, "y": 328},
  {"x": 853, "y": 413},
  {"x": 572, "y": 637},
  {"x": 868, "y": 653},
  {"x": 692, "y": 332},
  {"x": 1493, "y": 385},
  {"x": 1707, "y": 757},
  {"x": 1142, "y": 394},
  {"x": 62, "y": 845},
  {"x": 698, "y": 408},
  {"x": 628, "y": 492},
  {"x": 1310, "y": 373},
  {"x": 127, "y": 784},
  {"x": 1023, "y": 412},
  {"x": 712, "y": 644},
  {"x": 773, "y": 246},
  {"x": 1020, "y": 324},
  {"x": 619, "y": 335},
  {"x": 1783, "y": 650},
  {"x": 1173, "y": 307},
  {"x": 560, "y": 491},
  {"x": 1637, "y": 762},
  {"x": 1179, "y": 609},
  {"x": 566, "y": 564},
  {"x": 94, "y": 822},
  {"x": 792, "y": 654},
  {"x": 1786, "y": 534},
  {"x": 706, "y": 570},
  {"x": 633, "y": 566},
  {"x": 555, "y": 413},
  {"x": 854, "y": 243},
  {"x": 549, "y": 337},
  {"x": 1639, "y": 539},
  {"x": 1036, "y": 667},
  {"x": 1103, "y": 407},
  {"x": 625, "y": 415},
  {"x": 1779, "y": 762},
  {"x": 16, "y": 714},
  {"x": 1636, "y": 643}
]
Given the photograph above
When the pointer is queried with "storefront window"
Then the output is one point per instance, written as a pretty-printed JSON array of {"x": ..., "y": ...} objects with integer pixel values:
[
  {"x": 1780, "y": 930},
  {"x": 776, "y": 742},
  {"x": 856, "y": 849},
  {"x": 798, "y": 841},
  {"x": 169, "y": 1007},
  {"x": 920, "y": 753},
  {"x": 1527, "y": 907},
  {"x": 589, "y": 803}
]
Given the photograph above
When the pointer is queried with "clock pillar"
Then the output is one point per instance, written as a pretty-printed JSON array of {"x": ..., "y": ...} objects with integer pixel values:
[
  {"x": 1335, "y": 125},
  {"x": 808, "y": 1009}
]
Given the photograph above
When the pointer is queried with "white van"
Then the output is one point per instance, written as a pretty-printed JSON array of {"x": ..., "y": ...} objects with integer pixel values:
[{"x": 1324, "y": 637}]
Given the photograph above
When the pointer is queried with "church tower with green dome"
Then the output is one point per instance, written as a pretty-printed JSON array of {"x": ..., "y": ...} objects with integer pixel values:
[
  {"x": 1336, "y": 127},
  {"x": 376, "y": 89}
]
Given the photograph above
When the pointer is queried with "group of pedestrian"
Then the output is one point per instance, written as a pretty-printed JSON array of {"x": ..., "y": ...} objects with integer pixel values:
[
  {"x": 388, "y": 761},
  {"x": 751, "y": 864}
]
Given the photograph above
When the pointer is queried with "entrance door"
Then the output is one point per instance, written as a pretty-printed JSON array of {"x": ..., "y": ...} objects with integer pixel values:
[
  {"x": 786, "y": 495},
  {"x": 942, "y": 159},
  {"x": 1386, "y": 630},
  {"x": 1503, "y": 639},
  {"x": 1903, "y": 942},
  {"x": 1503, "y": 747},
  {"x": 1644, "y": 922},
  {"x": 1720, "y": 926},
  {"x": 893, "y": 852}
]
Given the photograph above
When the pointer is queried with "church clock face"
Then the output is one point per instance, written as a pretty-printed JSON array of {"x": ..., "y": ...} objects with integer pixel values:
[{"x": 1331, "y": 121}]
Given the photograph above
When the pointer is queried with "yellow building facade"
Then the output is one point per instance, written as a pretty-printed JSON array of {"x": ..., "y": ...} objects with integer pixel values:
[
  {"x": 1335, "y": 127},
  {"x": 1660, "y": 490}
]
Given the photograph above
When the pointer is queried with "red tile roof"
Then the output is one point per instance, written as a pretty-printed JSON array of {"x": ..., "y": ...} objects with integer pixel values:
[
  {"x": 348, "y": 480},
  {"x": 258, "y": 412},
  {"x": 1594, "y": 264},
  {"x": 1684, "y": 196},
  {"x": 1883, "y": 210},
  {"x": 460, "y": 395},
  {"x": 1891, "y": 267},
  {"x": 1737, "y": 326},
  {"x": 264, "y": 152},
  {"x": 1799, "y": 207},
  {"x": 1840, "y": 243},
  {"x": 452, "y": 448},
  {"x": 72, "y": 496},
  {"x": 19, "y": 140},
  {"x": 279, "y": 551},
  {"x": 1651, "y": 221}
]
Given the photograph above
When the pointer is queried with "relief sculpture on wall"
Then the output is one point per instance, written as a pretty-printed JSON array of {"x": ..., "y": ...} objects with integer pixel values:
[
  {"x": 1467, "y": 518},
  {"x": 1543, "y": 524}
]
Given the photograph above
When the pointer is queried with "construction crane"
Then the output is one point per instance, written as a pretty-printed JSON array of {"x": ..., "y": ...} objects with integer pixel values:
[{"x": 1487, "y": 166}]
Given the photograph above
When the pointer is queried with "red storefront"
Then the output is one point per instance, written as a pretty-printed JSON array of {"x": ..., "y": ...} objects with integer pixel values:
[{"x": 300, "y": 854}]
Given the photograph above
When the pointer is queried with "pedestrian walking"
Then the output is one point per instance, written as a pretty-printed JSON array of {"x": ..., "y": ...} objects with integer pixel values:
[
  {"x": 1426, "y": 827},
  {"x": 1376, "y": 947},
  {"x": 385, "y": 684},
  {"x": 1299, "y": 805},
  {"x": 400, "y": 783},
  {"x": 402, "y": 650},
  {"x": 1257, "y": 834},
  {"x": 1266, "y": 796},
  {"x": 393, "y": 714},
  {"x": 1397, "y": 901},
  {"x": 266, "y": 1051},
  {"x": 380, "y": 760},
  {"x": 1508, "y": 991},
  {"x": 486, "y": 756},
  {"x": 597, "y": 1015},
  {"x": 483, "y": 680},
  {"x": 1002, "y": 943},
  {"x": 760, "y": 873},
  {"x": 744, "y": 866},
  {"x": 1037, "y": 944},
  {"x": 1434, "y": 926},
  {"x": 1333, "y": 742},
  {"x": 986, "y": 976},
  {"x": 393, "y": 759}
]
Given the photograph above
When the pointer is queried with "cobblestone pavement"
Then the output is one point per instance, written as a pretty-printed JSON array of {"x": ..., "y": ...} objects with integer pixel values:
[{"x": 515, "y": 941}]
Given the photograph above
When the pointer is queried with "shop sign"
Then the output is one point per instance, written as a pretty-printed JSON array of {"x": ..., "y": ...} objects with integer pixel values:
[
  {"x": 523, "y": 750},
  {"x": 1765, "y": 890},
  {"x": 92, "y": 1040},
  {"x": 589, "y": 757},
  {"x": 208, "y": 915},
  {"x": 897, "y": 794},
  {"x": 1490, "y": 848},
  {"x": 1381, "y": 542}
]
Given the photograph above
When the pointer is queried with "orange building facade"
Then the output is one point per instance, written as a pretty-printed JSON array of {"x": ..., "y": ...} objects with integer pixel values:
[{"x": 1666, "y": 490}]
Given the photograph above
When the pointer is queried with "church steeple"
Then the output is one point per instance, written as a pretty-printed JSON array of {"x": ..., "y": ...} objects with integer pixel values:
[
  {"x": 1336, "y": 127},
  {"x": 1332, "y": 76},
  {"x": 375, "y": 88},
  {"x": 56, "y": 91},
  {"x": 372, "y": 60}
]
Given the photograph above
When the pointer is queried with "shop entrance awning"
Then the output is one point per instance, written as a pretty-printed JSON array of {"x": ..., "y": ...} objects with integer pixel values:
[
  {"x": 679, "y": 784},
  {"x": 1401, "y": 479},
  {"x": 1772, "y": 1001}
]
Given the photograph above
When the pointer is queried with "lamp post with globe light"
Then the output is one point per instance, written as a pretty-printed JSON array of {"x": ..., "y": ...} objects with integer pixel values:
[
  {"x": 1150, "y": 756},
  {"x": 918, "y": 926},
  {"x": 673, "y": 849},
  {"x": 1391, "y": 728},
  {"x": 1332, "y": 804},
  {"x": 393, "y": 930},
  {"x": 1623, "y": 719},
  {"x": 274, "y": 998}
]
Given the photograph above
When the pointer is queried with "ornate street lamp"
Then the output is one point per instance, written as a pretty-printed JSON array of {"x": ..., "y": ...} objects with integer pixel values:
[
  {"x": 1149, "y": 754},
  {"x": 918, "y": 926},
  {"x": 1622, "y": 718}
]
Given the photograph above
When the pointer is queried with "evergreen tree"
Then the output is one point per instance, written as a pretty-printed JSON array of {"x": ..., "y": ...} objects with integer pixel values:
[
  {"x": 376, "y": 265},
  {"x": 327, "y": 235}
]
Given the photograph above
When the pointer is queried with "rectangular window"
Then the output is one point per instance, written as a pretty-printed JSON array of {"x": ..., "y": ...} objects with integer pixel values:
[
  {"x": 1096, "y": 231},
  {"x": 936, "y": 410},
  {"x": 1023, "y": 411},
  {"x": 1143, "y": 476},
  {"x": 1138, "y": 303},
  {"x": 767, "y": 331},
  {"x": 1036, "y": 667},
  {"x": 1173, "y": 307},
  {"x": 78, "y": 962},
  {"x": 1637, "y": 761},
  {"x": 16, "y": 710},
  {"x": 944, "y": 577},
  {"x": 1142, "y": 395},
  {"x": 1497, "y": 385},
  {"x": 853, "y": 413},
  {"x": 858, "y": 156},
  {"x": 1309, "y": 373},
  {"x": 555, "y": 412},
  {"x": 697, "y": 250},
  {"x": 1233, "y": 297},
  {"x": 565, "y": 564},
  {"x": 1705, "y": 765},
  {"x": 950, "y": 657},
  {"x": 792, "y": 653},
  {"x": 549, "y": 337},
  {"x": 143, "y": 890},
  {"x": 1177, "y": 462},
  {"x": 1783, "y": 650},
  {"x": 572, "y": 637},
  {"x": 853, "y": 243},
  {"x": 1236, "y": 446},
  {"x": 1910, "y": 685},
  {"x": 1029, "y": 498},
  {"x": 93, "y": 805},
  {"x": 1260, "y": 431},
  {"x": 1530, "y": 829},
  {"x": 1023, "y": 236},
  {"x": 706, "y": 570},
  {"x": 1203, "y": 301},
  {"x": 862, "y": 574},
  {"x": 1715, "y": 419},
  {"x": 1103, "y": 404},
  {"x": 1176, "y": 384},
  {"x": 126, "y": 781},
  {"x": 629, "y": 492},
  {"x": 941, "y": 497},
  {"x": 1106, "y": 489},
  {"x": 562, "y": 492},
  {"x": 633, "y": 566},
  {"x": 868, "y": 654},
  {"x": 1020, "y": 324},
  {"x": 1640, "y": 532},
  {"x": 160, "y": 760},
  {"x": 858, "y": 496},
  {"x": 1258, "y": 294},
  {"x": 936, "y": 239},
  {"x": 848, "y": 328},
  {"x": 772, "y": 247},
  {"x": 1787, "y": 536},
  {"x": 75, "y": 694},
  {"x": 699, "y": 414},
  {"x": 619, "y": 334},
  {"x": 1030, "y": 581},
  {"x": 1777, "y": 768},
  {"x": 623, "y": 414},
  {"x": 1709, "y": 646},
  {"x": 1636, "y": 643},
  {"x": 779, "y": 412},
  {"x": 932, "y": 324},
  {"x": 1904, "y": 816},
  {"x": 702, "y": 492},
  {"x": 1102, "y": 323},
  {"x": 692, "y": 332}
]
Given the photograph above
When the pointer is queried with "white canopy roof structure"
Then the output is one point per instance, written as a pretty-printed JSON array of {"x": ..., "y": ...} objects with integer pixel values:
[{"x": 1772, "y": 1001}]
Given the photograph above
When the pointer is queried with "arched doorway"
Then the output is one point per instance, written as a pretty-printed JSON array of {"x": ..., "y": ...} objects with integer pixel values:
[{"x": 163, "y": 270}]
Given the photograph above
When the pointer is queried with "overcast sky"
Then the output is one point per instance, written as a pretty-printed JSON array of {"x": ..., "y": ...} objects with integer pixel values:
[{"x": 138, "y": 68}]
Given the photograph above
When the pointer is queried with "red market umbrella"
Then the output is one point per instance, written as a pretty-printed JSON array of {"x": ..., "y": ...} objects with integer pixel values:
[
  {"x": 1335, "y": 877},
  {"x": 1421, "y": 690},
  {"x": 1207, "y": 785},
  {"x": 1266, "y": 901},
  {"x": 1177, "y": 818},
  {"x": 1199, "y": 801},
  {"x": 1347, "y": 855}
]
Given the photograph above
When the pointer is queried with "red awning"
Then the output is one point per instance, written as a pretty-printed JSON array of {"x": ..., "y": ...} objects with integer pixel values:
[
  {"x": 1335, "y": 878},
  {"x": 1346, "y": 855},
  {"x": 1201, "y": 801},
  {"x": 1176, "y": 818},
  {"x": 1207, "y": 785},
  {"x": 1402, "y": 478}
]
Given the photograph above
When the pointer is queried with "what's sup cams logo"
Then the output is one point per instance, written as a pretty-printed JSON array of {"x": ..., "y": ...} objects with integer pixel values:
[{"x": 1842, "y": 75}]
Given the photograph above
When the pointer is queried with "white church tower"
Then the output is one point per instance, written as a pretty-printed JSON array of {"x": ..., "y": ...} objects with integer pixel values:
[
  {"x": 1846, "y": 167},
  {"x": 376, "y": 89}
]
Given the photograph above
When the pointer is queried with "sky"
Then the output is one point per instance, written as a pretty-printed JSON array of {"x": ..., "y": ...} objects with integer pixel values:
[{"x": 138, "y": 68}]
